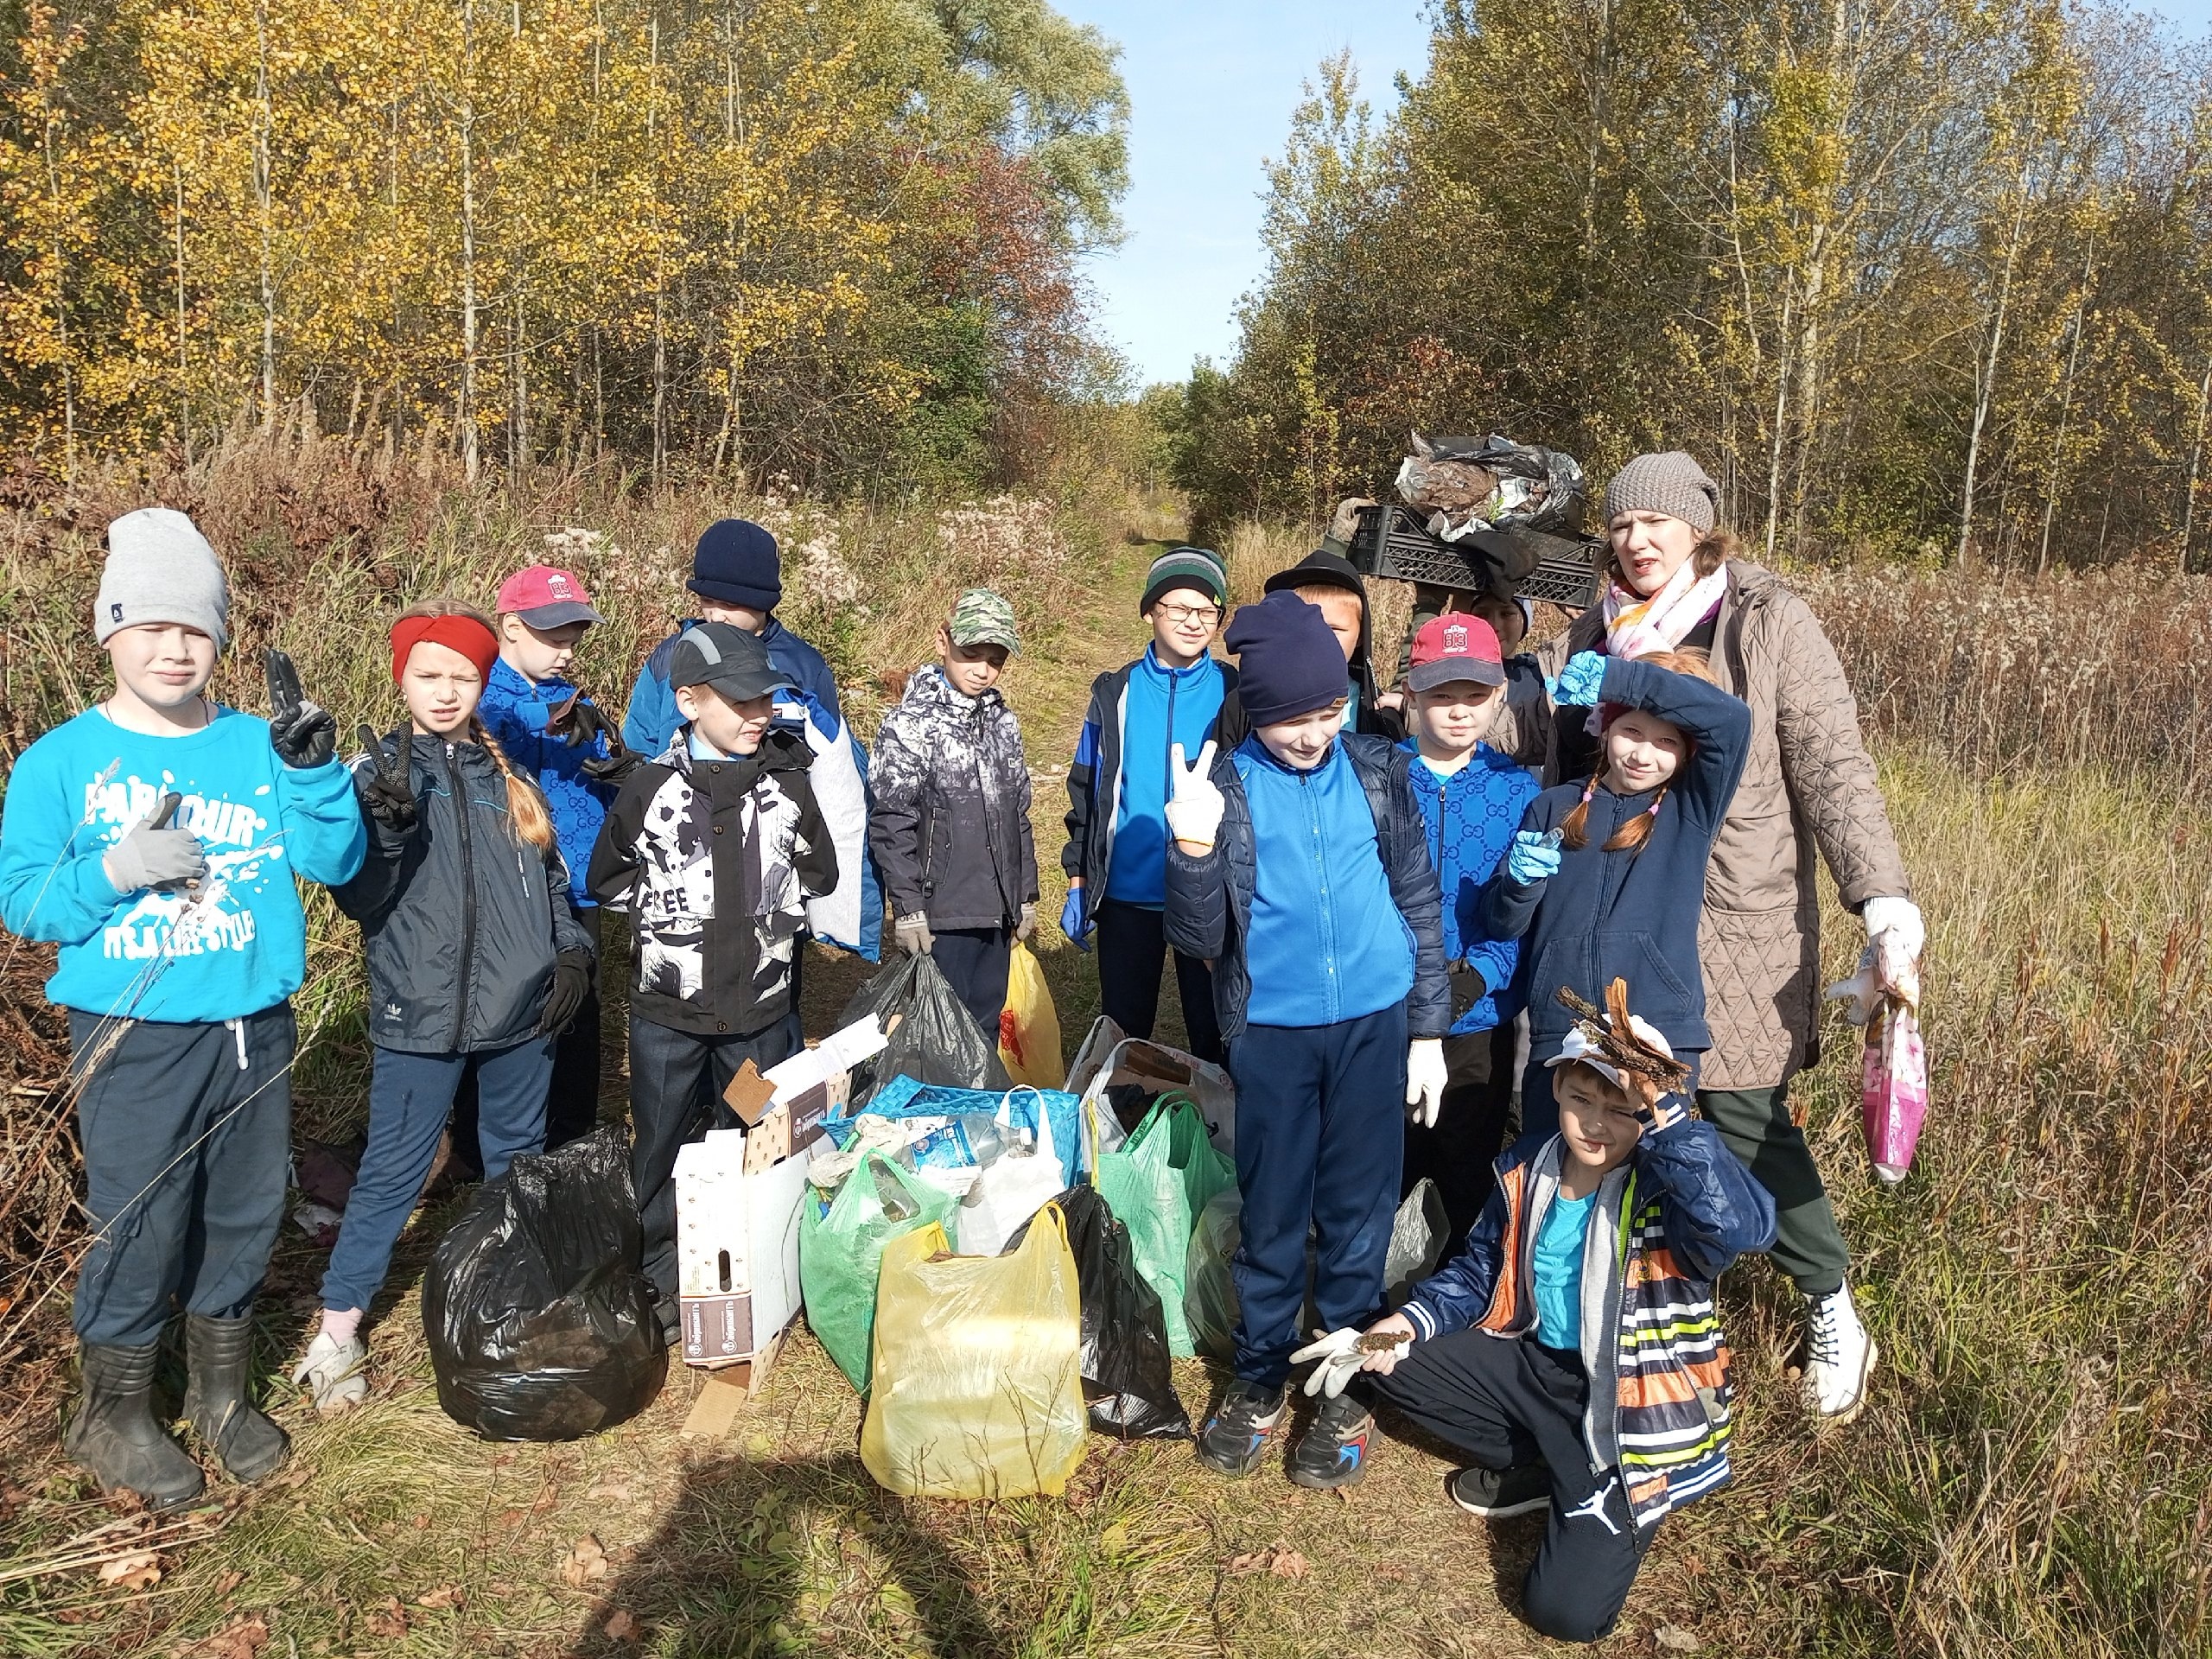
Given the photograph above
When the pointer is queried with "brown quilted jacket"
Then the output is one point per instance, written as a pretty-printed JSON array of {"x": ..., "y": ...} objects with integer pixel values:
[{"x": 1808, "y": 786}]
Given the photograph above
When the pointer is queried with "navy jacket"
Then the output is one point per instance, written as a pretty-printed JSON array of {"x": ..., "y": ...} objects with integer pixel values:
[
  {"x": 652, "y": 717},
  {"x": 1210, "y": 898},
  {"x": 1630, "y": 915}
]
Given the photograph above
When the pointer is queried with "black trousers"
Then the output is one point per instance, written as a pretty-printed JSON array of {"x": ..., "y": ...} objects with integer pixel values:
[
  {"x": 975, "y": 962},
  {"x": 1471, "y": 1124},
  {"x": 676, "y": 1079},
  {"x": 1132, "y": 946},
  {"x": 572, "y": 1102},
  {"x": 1508, "y": 1402}
]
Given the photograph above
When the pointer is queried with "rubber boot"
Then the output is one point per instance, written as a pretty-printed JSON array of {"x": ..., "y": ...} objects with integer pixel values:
[
  {"x": 114, "y": 1435},
  {"x": 219, "y": 1355}
]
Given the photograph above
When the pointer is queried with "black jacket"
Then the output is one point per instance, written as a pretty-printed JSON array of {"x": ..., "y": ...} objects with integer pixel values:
[
  {"x": 1210, "y": 898},
  {"x": 1322, "y": 569},
  {"x": 714, "y": 860},
  {"x": 460, "y": 918},
  {"x": 949, "y": 827}
]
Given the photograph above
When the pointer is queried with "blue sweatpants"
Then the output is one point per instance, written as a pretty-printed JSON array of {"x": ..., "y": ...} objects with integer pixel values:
[
  {"x": 410, "y": 1097},
  {"x": 1320, "y": 1138}
]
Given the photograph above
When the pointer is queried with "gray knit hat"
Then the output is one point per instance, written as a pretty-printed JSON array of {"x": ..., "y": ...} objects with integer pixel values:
[
  {"x": 1670, "y": 482},
  {"x": 1185, "y": 567},
  {"x": 160, "y": 568}
]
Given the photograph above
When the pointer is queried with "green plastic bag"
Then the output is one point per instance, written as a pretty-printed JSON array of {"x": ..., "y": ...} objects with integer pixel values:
[
  {"x": 841, "y": 1255},
  {"x": 1157, "y": 1184}
]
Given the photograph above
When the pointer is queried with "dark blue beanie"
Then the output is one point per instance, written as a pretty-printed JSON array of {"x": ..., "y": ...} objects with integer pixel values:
[
  {"x": 735, "y": 564},
  {"x": 1288, "y": 661}
]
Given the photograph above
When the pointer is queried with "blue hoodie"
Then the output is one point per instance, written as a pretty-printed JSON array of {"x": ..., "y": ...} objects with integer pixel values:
[
  {"x": 237, "y": 947},
  {"x": 1471, "y": 816},
  {"x": 515, "y": 711},
  {"x": 1161, "y": 707}
]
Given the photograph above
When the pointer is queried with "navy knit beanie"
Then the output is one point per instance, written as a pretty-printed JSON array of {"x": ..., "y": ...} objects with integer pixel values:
[
  {"x": 1288, "y": 660},
  {"x": 735, "y": 564}
]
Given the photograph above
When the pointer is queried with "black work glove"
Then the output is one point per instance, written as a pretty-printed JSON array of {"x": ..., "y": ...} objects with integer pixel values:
[
  {"x": 1468, "y": 987},
  {"x": 571, "y": 985},
  {"x": 619, "y": 762},
  {"x": 303, "y": 733},
  {"x": 576, "y": 722},
  {"x": 389, "y": 796}
]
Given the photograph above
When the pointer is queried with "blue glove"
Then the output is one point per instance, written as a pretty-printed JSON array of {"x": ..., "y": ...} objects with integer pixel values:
[
  {"x": 1071, "y": 919},
  {"x": 1579, "y": 681},
  {"x": 1532, "y": 857}
]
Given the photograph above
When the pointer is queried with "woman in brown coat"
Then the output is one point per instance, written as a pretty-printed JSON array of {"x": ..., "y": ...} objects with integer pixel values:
[{"x": 1809, "y": 788}]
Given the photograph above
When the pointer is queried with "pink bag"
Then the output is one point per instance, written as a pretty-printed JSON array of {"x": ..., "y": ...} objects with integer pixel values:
[{"x": 1883, "y": 996}]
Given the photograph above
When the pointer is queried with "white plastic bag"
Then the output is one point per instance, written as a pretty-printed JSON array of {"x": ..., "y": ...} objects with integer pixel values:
[
  {"x": 1008, "y": 1190},
  {"x": 1107, "y": 1057}
]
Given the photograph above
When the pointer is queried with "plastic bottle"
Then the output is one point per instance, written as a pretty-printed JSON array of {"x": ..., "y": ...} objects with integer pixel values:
[{"x": 972, "y": 1139}]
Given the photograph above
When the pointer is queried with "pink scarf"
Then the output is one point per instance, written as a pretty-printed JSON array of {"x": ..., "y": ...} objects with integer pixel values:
[{"x": 1636, "y": 626}]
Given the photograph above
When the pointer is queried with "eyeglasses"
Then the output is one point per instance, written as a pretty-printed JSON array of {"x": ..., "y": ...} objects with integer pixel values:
[{"x": 1208, "y": 615}]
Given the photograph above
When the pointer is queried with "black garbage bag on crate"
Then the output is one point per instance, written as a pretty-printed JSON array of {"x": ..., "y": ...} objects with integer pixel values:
[
  {"x": 934, "y": 1038},
  {"x": 541, "y": 1326},
  {"x": 1127, "y": 1381}
]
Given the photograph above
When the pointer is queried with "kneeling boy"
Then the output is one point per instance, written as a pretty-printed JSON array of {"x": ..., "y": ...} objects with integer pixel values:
[
  {"x": 1572, "y": 1350},
  {"x": 1300, "y": 868}
]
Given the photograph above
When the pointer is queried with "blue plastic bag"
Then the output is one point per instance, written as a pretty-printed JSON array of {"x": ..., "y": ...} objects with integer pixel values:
[{"x": 905, "y": 1097}]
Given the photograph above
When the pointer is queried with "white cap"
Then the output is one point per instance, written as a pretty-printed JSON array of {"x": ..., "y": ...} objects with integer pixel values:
[{"x": 1578, "y": 1048}]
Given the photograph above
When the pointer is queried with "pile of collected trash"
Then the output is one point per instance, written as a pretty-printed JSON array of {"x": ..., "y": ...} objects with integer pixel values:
[{"x": 1466, "y": 484}]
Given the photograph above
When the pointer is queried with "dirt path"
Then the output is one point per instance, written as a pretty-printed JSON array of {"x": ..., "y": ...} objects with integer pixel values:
[{"x": 392, "y": 1531}]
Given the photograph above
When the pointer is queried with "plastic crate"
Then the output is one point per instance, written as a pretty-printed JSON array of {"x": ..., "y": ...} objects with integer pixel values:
[{"x": 1394, "y": 542}]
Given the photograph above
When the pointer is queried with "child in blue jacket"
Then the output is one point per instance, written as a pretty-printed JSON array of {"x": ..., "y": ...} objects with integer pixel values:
[
  {"x": 548, "y": 728},
  {"x": 1606, "y": 879},
  {"x": 157, "y": 839},
  {"x": 1300, "y": 868},
  {"x": 1117, "y": 851},
  {"x": 1472, "y": 797},
  {"x": 1572, "y": 1350}
]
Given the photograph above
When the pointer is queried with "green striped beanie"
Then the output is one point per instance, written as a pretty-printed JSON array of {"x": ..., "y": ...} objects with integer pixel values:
[{"x": 1185, "y": 567}]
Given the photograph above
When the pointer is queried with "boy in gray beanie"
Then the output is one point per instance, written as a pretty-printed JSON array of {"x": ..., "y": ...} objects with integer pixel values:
[{"x": 156, "y": 839}]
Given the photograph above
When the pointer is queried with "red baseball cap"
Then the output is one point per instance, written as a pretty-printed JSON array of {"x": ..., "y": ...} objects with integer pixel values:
[
  {"x": 546, "y": 596},
  {"x": 1456, "y": 646}
]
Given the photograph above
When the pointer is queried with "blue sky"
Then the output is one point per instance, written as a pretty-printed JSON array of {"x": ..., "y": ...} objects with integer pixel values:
[{"x": 1211, "y": 87}]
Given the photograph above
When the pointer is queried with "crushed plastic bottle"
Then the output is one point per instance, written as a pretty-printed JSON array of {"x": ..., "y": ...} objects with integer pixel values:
[{"x": 972, "y": 1140}]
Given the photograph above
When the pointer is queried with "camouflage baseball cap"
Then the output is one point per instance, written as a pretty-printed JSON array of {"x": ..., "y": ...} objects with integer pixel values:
[{"x": 980, "y": 616}]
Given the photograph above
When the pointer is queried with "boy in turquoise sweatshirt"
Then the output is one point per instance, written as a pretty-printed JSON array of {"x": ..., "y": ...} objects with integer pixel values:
[{"x": 156, "y": 838}]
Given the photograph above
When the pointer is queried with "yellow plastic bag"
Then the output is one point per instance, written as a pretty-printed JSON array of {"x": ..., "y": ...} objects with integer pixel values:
[
  {"x": 978, "y": 1369},
  {"x": 1029, "y": 1029}
]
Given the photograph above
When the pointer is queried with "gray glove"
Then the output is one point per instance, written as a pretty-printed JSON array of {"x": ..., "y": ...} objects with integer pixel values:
[
  {"x": 913, "y": 934},
  {"x": 151, "y": 854},
  {"x": 1027, "y": 925}
]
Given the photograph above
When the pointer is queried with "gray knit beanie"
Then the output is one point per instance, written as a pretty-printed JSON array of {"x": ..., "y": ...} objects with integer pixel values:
[
  {"x": 1670, "y": 482},
  {"x": 160, "y": 568}
]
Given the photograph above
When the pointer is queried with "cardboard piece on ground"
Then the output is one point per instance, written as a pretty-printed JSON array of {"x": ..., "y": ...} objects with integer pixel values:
[
  {"x": 721, "y": 1392},
  {"x": 737, "y": 1248}
]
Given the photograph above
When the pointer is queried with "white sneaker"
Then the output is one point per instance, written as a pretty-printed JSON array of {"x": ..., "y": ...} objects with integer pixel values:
[
  {"x": 1839, "y": 1357},
  {"x": 334, "y": 1371}
]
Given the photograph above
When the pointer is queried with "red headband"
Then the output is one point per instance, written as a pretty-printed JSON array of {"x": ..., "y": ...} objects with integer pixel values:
[{"x": 462, "y": 633}]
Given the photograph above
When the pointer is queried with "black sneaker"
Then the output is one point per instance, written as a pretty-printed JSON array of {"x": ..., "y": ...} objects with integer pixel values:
[
  {"x": 1517, "y": 1491},
  {"x": 1333, "y": 1452},
  {"x": 1236, "y": 1436}
]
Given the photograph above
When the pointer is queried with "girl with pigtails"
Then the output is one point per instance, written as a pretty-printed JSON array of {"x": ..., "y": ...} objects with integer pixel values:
[
  {"x": 1605, "y": 878},
  {"x": 473, "y": 954}
]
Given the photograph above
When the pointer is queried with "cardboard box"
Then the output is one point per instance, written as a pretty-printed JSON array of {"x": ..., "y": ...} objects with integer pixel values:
[{"x": 737, "y": 1248}]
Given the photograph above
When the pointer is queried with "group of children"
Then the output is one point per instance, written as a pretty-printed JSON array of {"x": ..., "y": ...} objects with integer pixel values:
[{"x": 1362, "y": 894}]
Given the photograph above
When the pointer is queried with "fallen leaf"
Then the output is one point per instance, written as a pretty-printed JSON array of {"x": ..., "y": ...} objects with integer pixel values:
[
  {"x": 620, "y": 1626},
  {"x": 1278, "y": 1560},
  {"x": 229, "y": 1582},
  {"x": 1674, "y": 1639},
  {"x": 240, "y": 1639},
  {"x": 387, "y": 1619},
  {"x": 445, "y": 1595},
  {"x": 140, "y": 1570},
  {"x": 1114, "y": 1542},
  {"x": 1288, "y": 1564},
  {"x": 421, "y": 1523},
  {"x": 587, "y": 1561},
  {"x": 1390, "y": 1570},
  {"x": 511, "y": 1517}
]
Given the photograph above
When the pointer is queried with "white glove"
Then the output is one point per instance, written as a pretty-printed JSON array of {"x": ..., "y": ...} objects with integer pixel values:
[
  {"x": 1424, "y": 1080},
  {"x": 1860, "y": 994},
  {"x": 1898, "y": 916},
  {"x": 1337, "y": 1358},
  {"x": 1194, "y": 805}
]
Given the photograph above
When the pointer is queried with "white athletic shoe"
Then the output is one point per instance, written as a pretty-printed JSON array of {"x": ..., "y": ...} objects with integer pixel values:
[
  {"x": 334, "y": 1372},
  {"x": 1839, "y": 1357}
]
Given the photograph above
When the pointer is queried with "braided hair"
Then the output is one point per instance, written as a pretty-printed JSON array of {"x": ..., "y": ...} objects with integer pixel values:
[{"x": 1574, "y": 829}]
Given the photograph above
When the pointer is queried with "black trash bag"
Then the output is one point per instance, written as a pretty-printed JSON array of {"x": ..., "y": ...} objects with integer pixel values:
[
  {"x": 1127, "y": 1379},
  {"x": 1554, "y": 493},
  {"x": 934, "y": 1039},
  {"x": 541, "y": 1326}
]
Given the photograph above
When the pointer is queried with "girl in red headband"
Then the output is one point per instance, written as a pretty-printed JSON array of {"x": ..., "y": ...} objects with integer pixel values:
[{"x": 475, "y": 959}]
